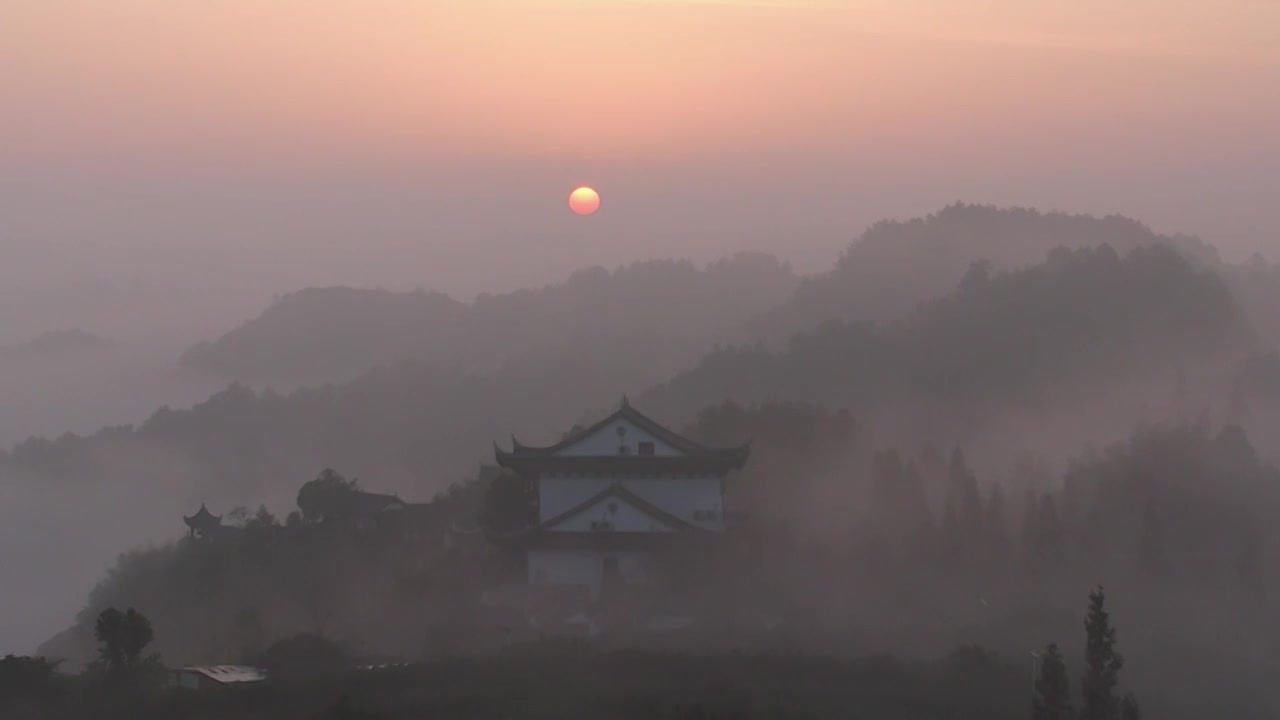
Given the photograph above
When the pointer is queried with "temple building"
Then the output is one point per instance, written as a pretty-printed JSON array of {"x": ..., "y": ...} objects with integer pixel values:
[{"x": 609, "y": 498}]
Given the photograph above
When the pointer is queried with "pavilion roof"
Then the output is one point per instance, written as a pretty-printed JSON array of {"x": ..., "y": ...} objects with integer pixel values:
[{"x": 202, "y": 518}]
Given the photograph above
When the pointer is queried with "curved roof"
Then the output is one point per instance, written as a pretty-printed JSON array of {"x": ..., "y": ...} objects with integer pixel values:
[
  {"x": 733, "y": 457},
  {"x": 202, "y": 518}
]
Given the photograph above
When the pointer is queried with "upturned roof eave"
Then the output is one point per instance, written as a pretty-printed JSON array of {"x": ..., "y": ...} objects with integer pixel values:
[{"x": 625, "y": 412}]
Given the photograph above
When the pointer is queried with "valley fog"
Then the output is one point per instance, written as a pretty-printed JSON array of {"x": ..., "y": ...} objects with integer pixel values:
[
  {"x": 1058, "y": 364},
  {"x": 639, "y": 359}
]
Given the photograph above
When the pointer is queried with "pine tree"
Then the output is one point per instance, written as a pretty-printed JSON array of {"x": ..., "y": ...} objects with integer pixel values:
[
  {"x": 1052, "y": 699},
  {"x": 1102, "y": 663}
]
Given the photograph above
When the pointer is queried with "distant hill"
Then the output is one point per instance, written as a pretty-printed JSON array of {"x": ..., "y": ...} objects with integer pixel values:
[
  {"x": 1257, "y": 285},
  {"x": 411, "y": 389},
  {"x": 663, "y": 314},
  {"x": 1088, "y": 318},
  {"x": 54, "y": 346},
  {"x": 1081, "y": 323},
  {"x": 896, "y": 265}
]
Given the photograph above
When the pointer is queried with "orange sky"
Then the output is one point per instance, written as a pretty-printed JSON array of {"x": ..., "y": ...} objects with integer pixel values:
[
  {"x": 852, "y": 108},
  {"x": 622, "y": 77}
]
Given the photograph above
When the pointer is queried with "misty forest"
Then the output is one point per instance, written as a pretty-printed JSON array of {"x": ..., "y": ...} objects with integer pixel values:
[{"x": 994, "y": 463}]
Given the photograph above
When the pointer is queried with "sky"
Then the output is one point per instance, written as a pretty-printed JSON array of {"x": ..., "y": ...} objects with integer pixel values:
[{"x": 234, "y": 149}]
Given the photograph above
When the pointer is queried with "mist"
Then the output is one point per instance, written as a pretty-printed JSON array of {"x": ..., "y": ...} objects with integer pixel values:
[{"x": 946, "y": 326}]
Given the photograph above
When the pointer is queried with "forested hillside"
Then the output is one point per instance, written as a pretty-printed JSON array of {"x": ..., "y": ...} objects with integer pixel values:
[
  {"x": 1088, "y": 318},
  {"x": 651, "y": 318},
  {"x": 896, "y": 265},
  {"x": 1086, "y": 325},
  {"x": 832, "y": 529},
  {"x": 1020, "y": 367}
]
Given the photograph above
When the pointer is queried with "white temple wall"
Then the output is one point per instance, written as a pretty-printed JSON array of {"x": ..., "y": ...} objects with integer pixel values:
[
  {"x": 605, "y": 442},
  {"x": 613, "y": 514}
]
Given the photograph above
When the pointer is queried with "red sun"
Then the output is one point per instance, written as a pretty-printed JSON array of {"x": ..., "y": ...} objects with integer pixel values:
[{"x": 584, "y": 201}]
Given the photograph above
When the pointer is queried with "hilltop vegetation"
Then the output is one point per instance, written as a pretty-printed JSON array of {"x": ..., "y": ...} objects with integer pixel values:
[
  {"x": 1086, "y": 324},
  {"x": 940, "y": 554},
  {"x": 649, "y": 318},
  {"x": 895, "y": 266}
]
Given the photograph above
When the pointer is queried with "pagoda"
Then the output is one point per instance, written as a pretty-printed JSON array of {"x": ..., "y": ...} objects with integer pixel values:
[
  {"x": 203, "y": 524},
  {"x": 609, "y": 497}
]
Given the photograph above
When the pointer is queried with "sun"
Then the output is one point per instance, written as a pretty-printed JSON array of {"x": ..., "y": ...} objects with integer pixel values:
[{"x": 584, "y": 200}]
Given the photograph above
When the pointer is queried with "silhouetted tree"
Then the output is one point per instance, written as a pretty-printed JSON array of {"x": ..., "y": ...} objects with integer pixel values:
[
  {"x": 121, "y": 639},
  {"x": 1052, "y": 699},
  {"x": 27, "y": 680},
  {"x": 506, "y": 503},
  {"x": 326, "y": 497},
  {"x": 262, "y": 519},
  {"x": 1102, "y": 663},
  {"x": 123, "y": 677},
  {"x": 303, "y": 655}
]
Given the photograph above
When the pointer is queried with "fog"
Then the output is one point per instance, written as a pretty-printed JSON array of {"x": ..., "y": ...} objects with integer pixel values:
[
  {"x": 241, "y": 151},
  {"x": 990, "y": 292}
]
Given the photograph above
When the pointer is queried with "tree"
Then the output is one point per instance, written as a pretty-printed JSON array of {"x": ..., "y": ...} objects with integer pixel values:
[
  {"x": 238, "y": 516},
  {"x": 27, "y": 680},
  {"x": 506, "y": 504},
  {"x": 304, "y": 655},
  {"x": 121, "y": 639},
  {"x": 1052, "y": 699},
  {"x": 327, "y": 496},
  {"x": 1102, "y": 663},
  {"x": 123, "y": 675},
  {"x": 263, "y": 519}
]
